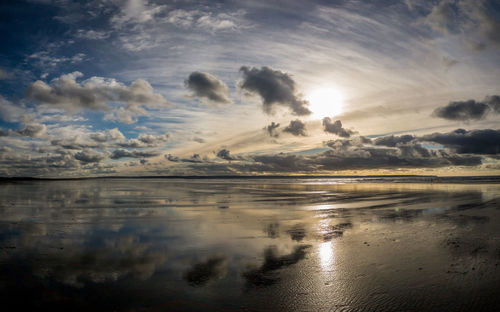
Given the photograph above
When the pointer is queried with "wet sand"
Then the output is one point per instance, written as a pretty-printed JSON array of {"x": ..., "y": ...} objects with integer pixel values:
[{"x": 255, "y": 245}]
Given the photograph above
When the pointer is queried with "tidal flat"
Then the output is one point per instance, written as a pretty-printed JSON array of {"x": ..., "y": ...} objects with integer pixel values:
[{"x": 250, "y": 244}]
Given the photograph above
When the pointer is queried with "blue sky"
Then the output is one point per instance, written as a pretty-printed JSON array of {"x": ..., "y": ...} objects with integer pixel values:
[{"x": 193, "y": 87}]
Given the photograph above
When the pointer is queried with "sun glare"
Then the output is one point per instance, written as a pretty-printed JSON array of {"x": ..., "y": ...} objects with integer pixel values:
[{"x": 325, "y": 102}]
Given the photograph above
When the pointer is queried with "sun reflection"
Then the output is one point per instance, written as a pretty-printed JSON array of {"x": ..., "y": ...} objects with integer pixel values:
[{"x": 326, "y": 255}]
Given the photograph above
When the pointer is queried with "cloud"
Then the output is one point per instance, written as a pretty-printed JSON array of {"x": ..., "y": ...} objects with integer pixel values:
[
  {"x": 121, "y": 153},
  {"x": 136, "y": 12},
  {"x": 76, "y": 142},
  {"x": 198, "y": 139},
  {"x": 145, "y": 140},
  {"x": 225, "y": 154},
  {"x": 141, "y": 25},
  {"x": 207, "y": 21},
  {"x": 92, "y": 34},
  {"x": 89, "y": 156},
  {"x": 150, "y": 139},
  {"x": 107, "y": 135},
  {"x": 352, "y": 156},
  {"x": 445, "y": 17},
  {"x": 32, "y": 129},
  {"x": 195, "y": 158},
  {"x": 296, "y": 127},
  {"x": 494, "y": 102},
  {"x": 271, "y": 129},
  {"x": 10, "y": 112},
  {"x": 485, "y": 15},
  {"x": 336, "y": 128},
  {"x": 217, "y": 23},
  {"x": 122, "y": 115},
  {"x": 172, "y": 158},
  {"x": 468, "y": 18},
  {"x": 485, "y": 141},
  {"x": 462, "y": 110},
  {"x": 208, "y": 86},
  {"x": 95, "y": 93},
  {"x": 17, "y": 164},
  {"x": 275, "y": 88},
  {"x": 469, "y": 110},
  {"x": 393, "y": 141},
  {"x": 45, "y": 58}
]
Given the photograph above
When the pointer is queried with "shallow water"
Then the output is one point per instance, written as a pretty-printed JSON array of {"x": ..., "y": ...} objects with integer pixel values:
[{"x": 258, "y": 245}]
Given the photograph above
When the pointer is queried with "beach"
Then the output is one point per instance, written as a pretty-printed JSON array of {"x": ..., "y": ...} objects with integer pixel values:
[{"x": 287, "y": 244}]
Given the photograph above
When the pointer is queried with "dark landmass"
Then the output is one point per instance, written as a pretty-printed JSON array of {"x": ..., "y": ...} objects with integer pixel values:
[{"x": 358, "y": 179}]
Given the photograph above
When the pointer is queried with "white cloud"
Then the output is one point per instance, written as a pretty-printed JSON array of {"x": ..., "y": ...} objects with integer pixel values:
[
  {"x": 9, "y": 111},
  {"x": 46, "y": 58},
  {"x": 92, "y": 34},
  {"x": 97, "y": 93}
]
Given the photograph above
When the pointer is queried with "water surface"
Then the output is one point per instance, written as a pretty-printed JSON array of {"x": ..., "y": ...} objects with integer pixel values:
[{"x": 249, "y": 244}]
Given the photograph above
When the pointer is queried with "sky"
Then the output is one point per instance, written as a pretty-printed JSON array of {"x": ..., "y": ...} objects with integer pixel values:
[{"x": 146, "y": 88}]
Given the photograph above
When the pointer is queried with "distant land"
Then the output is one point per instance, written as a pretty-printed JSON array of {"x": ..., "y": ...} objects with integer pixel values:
[{"x": 358, "y": 178}]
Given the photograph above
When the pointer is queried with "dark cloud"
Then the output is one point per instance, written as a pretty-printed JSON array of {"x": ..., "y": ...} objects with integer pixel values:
[
  {"x": 352, "y": 155},
  {"x": 494, "y": 102},
  {"x": 89, "y": 156},
  {"x": 27, "y": 165},
  {"x": 225, "y": 154},
  {"x": 172, "y": 158},
  {"x": 208, "y": 86},
  {"x": 121, "y": 153},
  {"x": 392, "y": 140},
  {"x": 346, "y": 154},
  {"x": 275, "y": 88},
  {"x": 271, "y": 129},
  {"x": 336, "y": 128},
  {"x": 462, "y": 110},
  {"x": 296, "y": 127},
  {"x": 195, "y": 158},
  {"x": 94, "y": 93},
  {"x": 485, "y": 141}
]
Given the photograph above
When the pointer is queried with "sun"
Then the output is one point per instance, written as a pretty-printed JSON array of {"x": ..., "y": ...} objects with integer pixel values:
[{"x": 325, "y": 102}]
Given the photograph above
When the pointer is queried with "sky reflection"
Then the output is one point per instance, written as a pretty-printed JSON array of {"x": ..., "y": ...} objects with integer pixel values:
[{"x": 166, "y": 243}]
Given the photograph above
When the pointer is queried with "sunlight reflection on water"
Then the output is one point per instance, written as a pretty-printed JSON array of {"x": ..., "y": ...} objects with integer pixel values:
[{"x": 326, "y": 255}]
